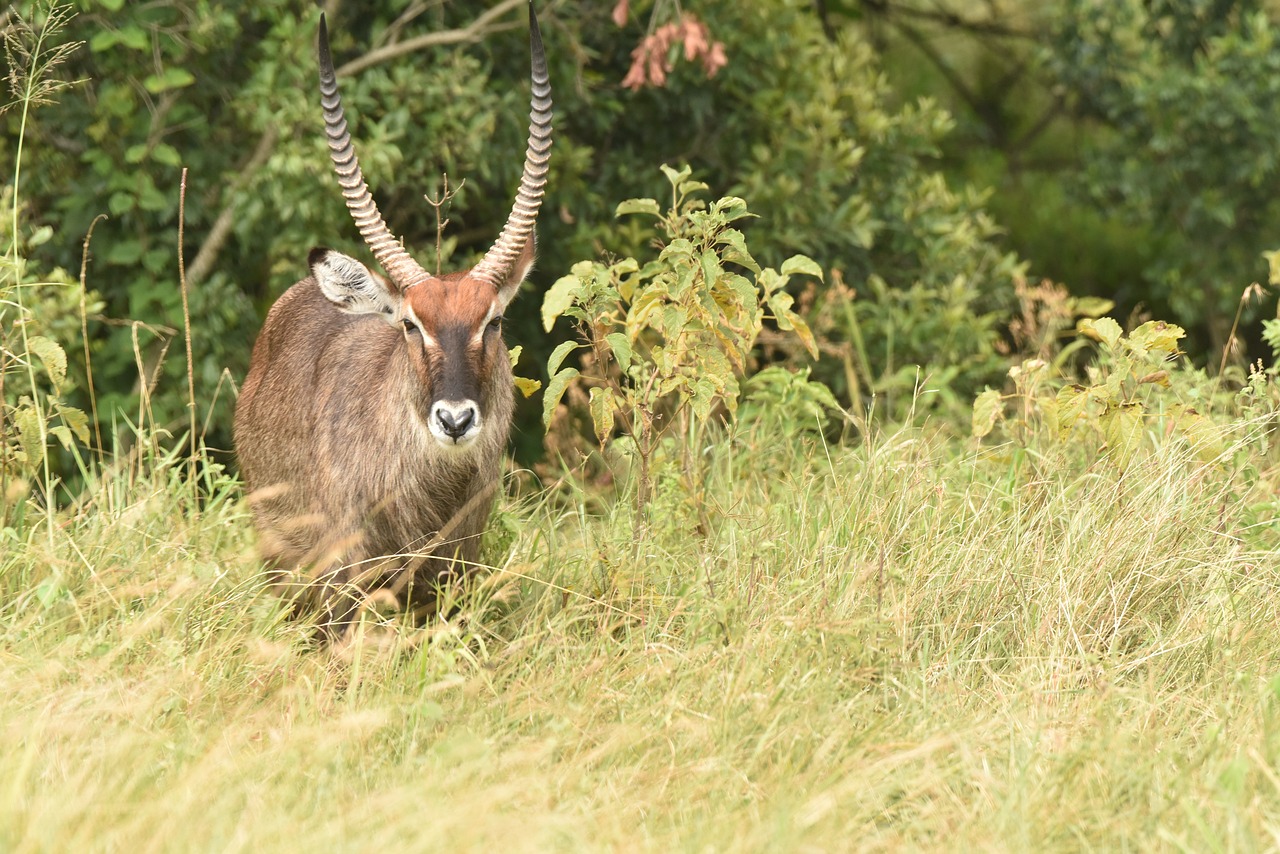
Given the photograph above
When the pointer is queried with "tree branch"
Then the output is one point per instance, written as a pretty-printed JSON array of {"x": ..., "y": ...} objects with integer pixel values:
[
  {"x": 221, "y": 230},
  {"x": 1041, "y": 125},
  {"x": 824, "y": 16},
  {"x": 939, "y": 62},
  {"x": 473, "y": 32},
  {"x": 948, "y": 18}
]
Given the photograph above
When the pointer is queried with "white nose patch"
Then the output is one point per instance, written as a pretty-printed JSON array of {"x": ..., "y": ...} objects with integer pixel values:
[{"x": 454, "y": 423}]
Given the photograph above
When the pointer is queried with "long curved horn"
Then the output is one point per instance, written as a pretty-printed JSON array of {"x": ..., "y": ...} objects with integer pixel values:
[
  {"x": 401, "y": 268},
  {"x": 496, "y": 265}
]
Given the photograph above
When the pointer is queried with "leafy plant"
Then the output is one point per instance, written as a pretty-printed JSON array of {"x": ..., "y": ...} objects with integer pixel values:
[
  {"x": 789, "y": 401},
  {"x": 33, "y": 365},
  {"x": 1117, "y": 401},
  {"x": 668, "y": 339}
]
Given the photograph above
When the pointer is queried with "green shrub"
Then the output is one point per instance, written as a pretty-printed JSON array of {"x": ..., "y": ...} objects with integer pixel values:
[
  {"x": 668, "y": 340},
  {"x": 41, "y": 312}
]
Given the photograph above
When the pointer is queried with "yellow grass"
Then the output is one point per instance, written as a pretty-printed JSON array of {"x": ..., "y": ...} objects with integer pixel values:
[{"x": 902, "y": 644}]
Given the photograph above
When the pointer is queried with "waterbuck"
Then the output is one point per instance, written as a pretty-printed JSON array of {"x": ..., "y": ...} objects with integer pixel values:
[{"x": 371, "y": 427}]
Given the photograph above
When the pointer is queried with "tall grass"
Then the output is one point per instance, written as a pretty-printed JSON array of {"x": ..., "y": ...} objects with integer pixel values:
[{"x": 896, "y": 644}]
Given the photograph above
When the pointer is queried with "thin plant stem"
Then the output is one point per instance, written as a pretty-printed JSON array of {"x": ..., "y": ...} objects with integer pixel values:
[
  {"x": 186, "y": 326},
  {"x": 28, "y": 96},
  {"x": 1254, "y": 289},
  {"x": 84, "y": 337}
]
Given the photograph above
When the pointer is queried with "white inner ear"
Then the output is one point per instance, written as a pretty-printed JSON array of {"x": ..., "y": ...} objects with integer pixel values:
[
  {"x": 353, "y": 287},
  {"x": 519, "y": 271}
]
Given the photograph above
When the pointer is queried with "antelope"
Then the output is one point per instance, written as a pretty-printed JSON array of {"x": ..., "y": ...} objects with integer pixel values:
[{"x": 371, "y": 426}]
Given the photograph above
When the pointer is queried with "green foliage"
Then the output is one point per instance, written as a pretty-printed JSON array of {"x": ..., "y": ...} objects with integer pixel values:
[
  {"x": 1133, "y": 397},
  {"x": 1271, "y": 335},
  {"x": 788, "y": 401},
  {"x": 668, "y": 339},
  {"x": 1190, "y": 98},
  {"x": 842, "y": 174},
  {"x": 37, "y": 312},
  {"x": 804, "y": 128}
]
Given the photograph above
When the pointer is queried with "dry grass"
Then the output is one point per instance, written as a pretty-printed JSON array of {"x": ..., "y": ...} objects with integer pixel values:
[{"x": 899, "y": 645}]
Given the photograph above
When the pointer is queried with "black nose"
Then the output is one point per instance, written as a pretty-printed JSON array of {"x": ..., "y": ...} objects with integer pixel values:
[{"x": 456, "y": 423}]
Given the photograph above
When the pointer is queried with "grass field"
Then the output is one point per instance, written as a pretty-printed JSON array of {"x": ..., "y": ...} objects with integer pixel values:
[{"x": 904, "y": 643}]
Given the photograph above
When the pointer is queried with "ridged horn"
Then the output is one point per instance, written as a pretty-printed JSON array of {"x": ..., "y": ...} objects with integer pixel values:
[
  {"x": 400, "y": 267},
  {"x": 496, "y": 265}
]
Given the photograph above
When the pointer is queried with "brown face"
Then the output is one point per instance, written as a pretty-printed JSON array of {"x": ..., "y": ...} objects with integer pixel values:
[{"x": 453, "y": 328}]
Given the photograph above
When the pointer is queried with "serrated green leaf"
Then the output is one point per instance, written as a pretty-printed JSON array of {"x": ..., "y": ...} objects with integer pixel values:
[
  {"x": 710, "y": 264},
  {"x": 52, "y": 356},
  {"x": 638, "y": 206},
  {"x": 638, "y": 316},
  {"x": 703, "y": 397},
  {"x": 676, "y": 177},
  {"x": 558, "y": 356},
  {"x": 602, "y": 406},
  {"x": 1103, "y": 329},
  {"x": 555, "y": 390},
  {"x": 621, "y": 348},
  {"x": 735, "y": 249},
  {"x": 733, "y": 208},
  {"x": 1111, "y": 392},
  {"x": 801, "y": 328},
  {"x": 770, "y": 281},
  {"x": 30, "y": 434},
  {"x": 674, "y": 320},
  {"x": 986, "y": 409},
  {"x": 1123, "y": 428},
  {"x": 624, "y": 267},
  {"x": 1156, "y": 336},
  {"x": 670, "y": 384},
  {"x": 744, "y": 289},
  {"x": 76, "y": 420},
  {"x": 63, "y": 435},
  {"x": 780, "y": 303},
  {"x": 802, "y": 265},
  {"x": 1071, "y": 401}
]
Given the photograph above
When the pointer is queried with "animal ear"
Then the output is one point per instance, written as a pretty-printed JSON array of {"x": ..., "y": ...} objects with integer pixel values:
[
  {"x": 351, "y": 286},
  {"x": 519, "y": 270}
]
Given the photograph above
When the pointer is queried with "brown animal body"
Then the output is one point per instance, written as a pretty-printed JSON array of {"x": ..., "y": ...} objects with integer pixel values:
[{"x": 372, "y": 424}]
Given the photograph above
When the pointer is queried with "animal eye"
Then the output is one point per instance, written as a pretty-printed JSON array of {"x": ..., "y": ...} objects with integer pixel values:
[
  {"x": 409, "y": 325},
  {"x": 496, "y": 323}
]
